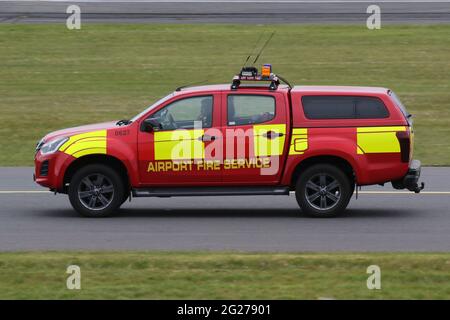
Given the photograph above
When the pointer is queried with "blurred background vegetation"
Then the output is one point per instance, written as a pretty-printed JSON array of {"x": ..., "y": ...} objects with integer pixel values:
[{"x": 52, "y": 78}]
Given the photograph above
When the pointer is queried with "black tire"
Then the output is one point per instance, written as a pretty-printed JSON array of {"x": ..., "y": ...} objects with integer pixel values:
[
  {"x": 352, "y": 188},
  {"x": 323, "y": 190},
  {"x": 96, "y": 191}
]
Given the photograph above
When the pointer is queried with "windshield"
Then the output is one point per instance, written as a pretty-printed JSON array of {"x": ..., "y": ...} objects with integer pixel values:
[{"x": 157, "y": 103}]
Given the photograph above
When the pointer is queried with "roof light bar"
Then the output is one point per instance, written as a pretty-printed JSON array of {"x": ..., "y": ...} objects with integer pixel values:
[{"x": 251, "y": 74}]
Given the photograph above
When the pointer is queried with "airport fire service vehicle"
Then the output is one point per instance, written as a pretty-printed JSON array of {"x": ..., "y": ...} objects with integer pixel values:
[{"x": 257, "y": 136}]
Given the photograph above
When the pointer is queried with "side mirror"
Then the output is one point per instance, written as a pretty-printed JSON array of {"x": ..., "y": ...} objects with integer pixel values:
[{"x": 150, "y": 125}]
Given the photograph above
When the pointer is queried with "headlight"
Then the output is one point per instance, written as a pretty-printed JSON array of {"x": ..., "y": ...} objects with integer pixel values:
[
  {"x": 39, "y": 144},
  {"x": 53, "y": 145}
]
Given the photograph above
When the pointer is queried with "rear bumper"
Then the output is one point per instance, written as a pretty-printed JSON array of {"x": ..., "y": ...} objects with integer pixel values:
[{"x": 411, "y": 180}]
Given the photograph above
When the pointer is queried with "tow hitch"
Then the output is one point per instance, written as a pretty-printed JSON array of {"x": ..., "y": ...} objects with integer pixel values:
[
  {"x": 411, "y": 179},
  {"x": 417, "y": 189}
]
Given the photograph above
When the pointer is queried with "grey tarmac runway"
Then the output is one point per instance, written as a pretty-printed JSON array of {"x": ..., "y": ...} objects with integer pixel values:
[
  {"x": 382, "y": 219},
  {"x": 219, "y": 11}
]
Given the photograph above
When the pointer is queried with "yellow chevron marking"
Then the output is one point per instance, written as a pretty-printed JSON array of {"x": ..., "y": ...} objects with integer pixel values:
[
  {"x": 85, "y": 143},
  {"x": 378, "y": 139}
]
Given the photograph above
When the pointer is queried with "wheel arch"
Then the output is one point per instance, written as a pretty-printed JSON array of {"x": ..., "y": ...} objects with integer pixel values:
[
  {"x": 338, "y": 161},
  {"x": 103, "y": 159}
]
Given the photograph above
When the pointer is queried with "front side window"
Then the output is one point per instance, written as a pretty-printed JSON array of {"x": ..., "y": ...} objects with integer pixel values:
[
  {"x": 249, "y": 109},
  {"x": 343, "y": 107},
  {"x": 183, "y": 113}
]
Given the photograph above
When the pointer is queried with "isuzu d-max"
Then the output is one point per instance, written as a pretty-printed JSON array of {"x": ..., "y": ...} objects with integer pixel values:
[{"x": 257, "y": 136}]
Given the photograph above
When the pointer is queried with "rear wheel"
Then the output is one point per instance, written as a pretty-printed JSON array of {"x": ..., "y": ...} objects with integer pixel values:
[
  {"x": 323, "y": 190},
  {"x": 96, "y": 191}
]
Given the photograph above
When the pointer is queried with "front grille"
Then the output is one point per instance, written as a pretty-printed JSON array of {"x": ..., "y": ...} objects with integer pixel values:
[{"x": 44, "y": 169}]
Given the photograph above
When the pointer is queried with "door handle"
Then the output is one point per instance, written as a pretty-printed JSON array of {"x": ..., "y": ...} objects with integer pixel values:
[
  {"x": 206, "y": 137},
  {"x": 272, "y": 134}
]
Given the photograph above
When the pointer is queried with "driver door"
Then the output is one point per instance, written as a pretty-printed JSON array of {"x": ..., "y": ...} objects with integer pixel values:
[{"x": 174, "y": 153}]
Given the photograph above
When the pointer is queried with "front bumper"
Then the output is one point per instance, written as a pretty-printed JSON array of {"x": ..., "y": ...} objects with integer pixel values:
[
  {"x": 44, "y": 177},
  {"x": 49, "y": 169},
  {"x": 411, "y": 180}
]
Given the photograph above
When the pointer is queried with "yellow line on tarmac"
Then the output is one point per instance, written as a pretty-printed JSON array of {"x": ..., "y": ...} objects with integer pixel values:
[
  {"x": 400, "y": 192},
  {"x": 23, "y": 191}
]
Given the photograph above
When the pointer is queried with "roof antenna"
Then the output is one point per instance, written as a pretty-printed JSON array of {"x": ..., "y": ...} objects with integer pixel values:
[
  {"x": 191, "y": 84},
  {"x": 263, "y": 47},
  {"x": 254, "y": 47}
]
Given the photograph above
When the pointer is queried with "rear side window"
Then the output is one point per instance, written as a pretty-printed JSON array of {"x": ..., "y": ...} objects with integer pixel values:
[
  {"x": 343, "y": 107},
  {"x": 328, "y": 107},
  {"x": 370, "y": 108}
]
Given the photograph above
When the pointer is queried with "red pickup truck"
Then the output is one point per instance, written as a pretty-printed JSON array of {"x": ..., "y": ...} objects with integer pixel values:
[{"x": 257, "y": 136}]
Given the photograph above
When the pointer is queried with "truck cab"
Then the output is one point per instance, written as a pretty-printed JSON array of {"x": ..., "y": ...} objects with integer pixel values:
[{"x": 256, "y": 136}]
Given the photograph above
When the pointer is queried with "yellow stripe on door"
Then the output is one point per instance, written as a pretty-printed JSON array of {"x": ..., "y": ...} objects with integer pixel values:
[
  {"x": 378, "y": 139},
  {"x": 179, "y": 145},
  {"x": 264, "y": 146}
]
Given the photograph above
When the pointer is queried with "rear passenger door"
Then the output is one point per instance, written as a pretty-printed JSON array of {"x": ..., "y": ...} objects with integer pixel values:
[{"x": 255, "y": 128}]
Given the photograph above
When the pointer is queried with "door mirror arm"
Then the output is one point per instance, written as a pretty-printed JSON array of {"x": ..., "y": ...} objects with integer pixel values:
[{"x": 150, "y": 125}]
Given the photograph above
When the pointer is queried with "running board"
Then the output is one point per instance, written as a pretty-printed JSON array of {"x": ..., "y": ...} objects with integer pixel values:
[{"x": 209, "y": 191}]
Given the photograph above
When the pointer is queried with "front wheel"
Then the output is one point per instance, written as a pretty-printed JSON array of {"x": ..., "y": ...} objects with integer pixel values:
[
  {"x": 96, "y": 191},
  {"x": 323, "y": 190}
]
